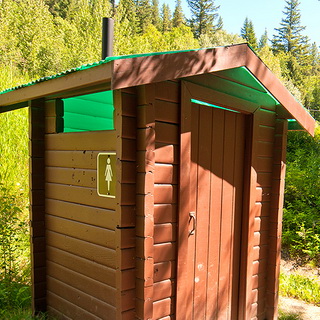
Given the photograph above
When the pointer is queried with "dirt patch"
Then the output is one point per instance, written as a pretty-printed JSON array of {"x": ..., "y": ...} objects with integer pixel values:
[{"x": 302, "y": 310}]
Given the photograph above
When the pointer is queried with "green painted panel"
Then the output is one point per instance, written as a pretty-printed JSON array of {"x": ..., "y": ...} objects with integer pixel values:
[
  {"x": 90, "y": 112},
  {"x": 211, "y": 105}
]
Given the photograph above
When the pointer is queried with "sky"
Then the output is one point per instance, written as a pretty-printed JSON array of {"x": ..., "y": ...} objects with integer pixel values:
[{"x": 264, "y": 14}]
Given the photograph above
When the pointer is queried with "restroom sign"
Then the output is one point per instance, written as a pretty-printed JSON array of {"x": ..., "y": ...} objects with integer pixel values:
[{"x": 106, "y": 174}]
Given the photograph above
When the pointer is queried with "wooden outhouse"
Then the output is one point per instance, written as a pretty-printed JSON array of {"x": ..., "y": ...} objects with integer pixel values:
[{"x": 156, "y": 186}]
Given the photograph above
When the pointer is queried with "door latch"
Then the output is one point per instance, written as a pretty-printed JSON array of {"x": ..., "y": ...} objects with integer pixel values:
[{"x": 192, "y": 216}]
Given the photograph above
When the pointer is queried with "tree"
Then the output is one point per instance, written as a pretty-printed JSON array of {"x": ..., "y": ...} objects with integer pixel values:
[
  {"x": 203, "y": 17},
  {"x": 156, "y": 19},
  {"x": 58, "y": 7},
  {"x": 166, "y": 18},
  {"x": 289, "y": 36},
  {"x": 248, "y": 33},
  {"x": 144, "y": 14},
  {"x": 263, "y": 42},
  {"x": 178, "y": 18},
  {"x": 125, "y": 28}
]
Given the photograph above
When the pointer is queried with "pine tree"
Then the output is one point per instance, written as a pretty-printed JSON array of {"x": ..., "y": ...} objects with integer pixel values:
[
  {"x": 156, "y": 20},
  {"x": 203, "y": 16},
  {"x": 263, "y": 42},
  {"x": 144, "y": 14},
  {"x": 58, "y": 7},
  {"x": 178, "y": 18},
  {"x": 289, "y": 36},
  {"x": 166, "y": 18},
  {"x": 247, "y": 33}
]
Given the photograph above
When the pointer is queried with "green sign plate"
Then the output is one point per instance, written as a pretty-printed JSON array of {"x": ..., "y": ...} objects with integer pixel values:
[{"x": 106, "y": 174}]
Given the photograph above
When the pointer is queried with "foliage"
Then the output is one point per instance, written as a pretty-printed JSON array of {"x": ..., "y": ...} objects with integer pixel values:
[
  {"x": 204, "y": 17},
  {"x": 14, "y": 267},
  {"x": 301, "y": 224},
  {"x": 248, "y": 33},
  {"x": 178, "y": 17},
  {"x": 300, "y": 287},
  {"x": 289, "y": 37}
]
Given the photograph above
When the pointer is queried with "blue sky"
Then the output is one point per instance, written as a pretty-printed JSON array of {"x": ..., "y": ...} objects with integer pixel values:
[{"x": 264, "y": 14}]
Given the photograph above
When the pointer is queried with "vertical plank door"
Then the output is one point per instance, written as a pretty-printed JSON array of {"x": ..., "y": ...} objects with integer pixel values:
[{"x": 211, "y": 192}]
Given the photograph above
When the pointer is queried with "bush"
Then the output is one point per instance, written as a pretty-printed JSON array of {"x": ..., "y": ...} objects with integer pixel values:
[
  {"x": 14, "y": 266},
  {"x": 300, "y": 287},
  {"x": 301, "y": 218}
]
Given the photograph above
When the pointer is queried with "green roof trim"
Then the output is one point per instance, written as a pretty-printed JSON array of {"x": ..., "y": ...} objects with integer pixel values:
[
  {"x": 212, "y": 105},
  {"x": 95, "y": 64}
]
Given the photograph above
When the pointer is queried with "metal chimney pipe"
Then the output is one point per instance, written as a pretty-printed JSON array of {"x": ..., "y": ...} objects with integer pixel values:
[{"x": 107, "y": 37}]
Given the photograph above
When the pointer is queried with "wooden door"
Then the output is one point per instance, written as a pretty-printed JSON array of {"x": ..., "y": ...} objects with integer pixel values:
[{"x": 211, "y": 196}]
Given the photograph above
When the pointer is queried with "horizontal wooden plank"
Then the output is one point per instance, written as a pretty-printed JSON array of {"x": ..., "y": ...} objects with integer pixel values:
[
  {"x": 127, "y": 257},
  {"x": 81, "y": 265},
  {"x": 128, "y": 171},
  {"x": 77, "y": 297},
  {"x": 103, "y": 218},
  {"x": 266, "y": 133},
  {"x": 166, "y": 173},
  {"x": 162, "y": 308},
  {"x": 128, "y": 150},
  {"x": 129, "y": 104},
  {"x": 265, "y": 149},
  {"x": 164, "y": 270},
  {"x": 92, "y": 252},
  {"x": 166, "y": 153},
  {"x": 165, "y": 193},
  {"x": 82, "y": 141},
  {"x": 97, "y": 235},
  {"x": 66, "y": 310},
  {"x": 264, "y": 164},
  {"x": 163, "y": 289},
  {"x": 164, "y": 252},
  {"x": 71, "y": 176},
  {"x": 167, "y": 133},
  {"x": 168, "y": 91},
  {"x": 264, "y": 179},
  {"x": 129, "y": 127},
  {"x": 71, "y": 159},
  {"x": 167, "y": 111},
  {"x": 165, "y": 233},
  {"x": 164, "y": 213},
  {"x": 128, "y": 278},
  {"x": 266, "y": 117},
  {"x": 80, "y": 195},
  {"x": 127, "y": 300},
  {"x": 80, "y": 282}
]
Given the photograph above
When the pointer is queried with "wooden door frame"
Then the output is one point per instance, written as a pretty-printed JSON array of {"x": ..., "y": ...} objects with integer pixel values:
[{"x": 193, "y": 91}]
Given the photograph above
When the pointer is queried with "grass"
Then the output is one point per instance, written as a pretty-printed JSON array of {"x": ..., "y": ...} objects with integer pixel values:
[
  {"x": 288, "y": 316},
  {"x": 300, "y": 287}
]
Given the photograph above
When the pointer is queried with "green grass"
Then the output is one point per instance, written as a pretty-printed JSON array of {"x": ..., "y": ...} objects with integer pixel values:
[
  {"x": 288, "y": 316},
  {"x": 300, "y": 287}
]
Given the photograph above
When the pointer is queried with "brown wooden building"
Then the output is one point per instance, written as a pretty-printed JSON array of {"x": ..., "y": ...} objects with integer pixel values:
[{"x": 194, "y": 144}]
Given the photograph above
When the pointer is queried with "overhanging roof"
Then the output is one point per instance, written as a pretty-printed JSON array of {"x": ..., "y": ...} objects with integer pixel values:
[{"x": 237, "y": 63}]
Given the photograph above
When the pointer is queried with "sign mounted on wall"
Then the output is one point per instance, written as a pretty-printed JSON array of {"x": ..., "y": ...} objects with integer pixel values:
[{"x": 106, "y": 174}]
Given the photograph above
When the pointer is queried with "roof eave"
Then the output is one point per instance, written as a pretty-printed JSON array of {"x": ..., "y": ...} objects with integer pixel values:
[
  {"x": 98, "y": 76},
  {"x": 144, "y": 70}
]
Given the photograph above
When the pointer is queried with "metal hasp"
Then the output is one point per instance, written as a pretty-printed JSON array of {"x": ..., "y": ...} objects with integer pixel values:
[{"x": 107, "y": 37}]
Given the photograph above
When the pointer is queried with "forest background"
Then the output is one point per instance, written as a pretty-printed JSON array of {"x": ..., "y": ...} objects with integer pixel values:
[{"x": 43, "y": 37}]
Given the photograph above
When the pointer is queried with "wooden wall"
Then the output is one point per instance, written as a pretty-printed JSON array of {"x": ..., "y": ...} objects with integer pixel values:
[
  {"x": 268, "y": 162},
  {"x": 157, "y": 184},
  {"x": 125, "y": 102},
  {"x": 37, "y": 220},
  {"x": 80, "y": 226}
]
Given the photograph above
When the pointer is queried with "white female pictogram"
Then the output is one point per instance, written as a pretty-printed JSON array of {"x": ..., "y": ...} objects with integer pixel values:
[{"x": 108, "y": 173}]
